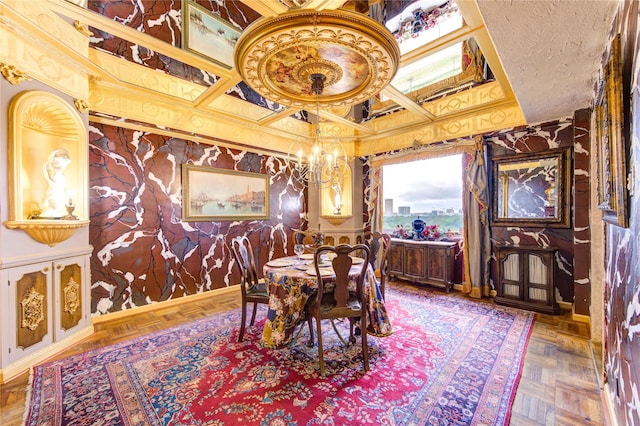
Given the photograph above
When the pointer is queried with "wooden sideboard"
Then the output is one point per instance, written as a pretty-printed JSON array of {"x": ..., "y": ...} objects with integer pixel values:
[{"x": 427, "y": 262}]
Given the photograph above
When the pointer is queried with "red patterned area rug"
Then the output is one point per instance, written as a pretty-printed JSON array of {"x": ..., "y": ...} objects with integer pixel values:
[{"x": 450, "y": 361}]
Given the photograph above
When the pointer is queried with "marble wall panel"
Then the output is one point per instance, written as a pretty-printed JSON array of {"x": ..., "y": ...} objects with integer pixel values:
[
  {"x": 143, "y": 252},
  {"x": 537, "y": 138},
  {"x": 581, "y": 217},
  {"x": 622, "y": 266}
]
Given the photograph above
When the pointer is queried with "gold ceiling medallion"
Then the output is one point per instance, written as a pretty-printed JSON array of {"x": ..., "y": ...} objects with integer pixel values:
[{"x": 277, "y": 56}]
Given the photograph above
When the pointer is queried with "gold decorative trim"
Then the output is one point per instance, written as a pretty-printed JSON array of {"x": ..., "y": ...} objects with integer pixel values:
[
  {"x": 82, "y": 28},
  {"x": 336, "y": 220},
  {"x": 50, "y": 232},
  {"x": 82, "y": 105},
  {"x": 32, "y": 309},
  {"x": 357, "y": 56},
  {"x": 13, "y": 75},
  {"x": 71, "y": 296}
]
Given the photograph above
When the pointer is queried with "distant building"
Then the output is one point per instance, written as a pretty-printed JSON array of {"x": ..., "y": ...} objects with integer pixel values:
[
  {"x": 388, "y": 207},
  {"x": 404, "y": 210}
]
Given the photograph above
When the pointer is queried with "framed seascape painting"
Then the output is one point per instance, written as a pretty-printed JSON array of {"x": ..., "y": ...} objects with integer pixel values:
[
  {"x": 208, "y": 35},
  {"x": 611, "y": 152},
  {"x": 210, "y": 194}
]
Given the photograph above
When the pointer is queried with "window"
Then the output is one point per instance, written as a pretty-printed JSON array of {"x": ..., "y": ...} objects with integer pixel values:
[{"x": 427, "y": 189}]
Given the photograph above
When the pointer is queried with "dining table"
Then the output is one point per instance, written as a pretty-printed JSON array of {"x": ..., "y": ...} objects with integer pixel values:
[{"x": 292, "y": 280}]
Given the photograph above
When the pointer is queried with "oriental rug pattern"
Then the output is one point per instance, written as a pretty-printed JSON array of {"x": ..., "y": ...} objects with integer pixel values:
[{"x": 450, "y": 361}]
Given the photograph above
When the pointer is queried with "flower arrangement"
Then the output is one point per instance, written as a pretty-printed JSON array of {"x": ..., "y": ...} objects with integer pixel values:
[{"x": 429, "y": 232}]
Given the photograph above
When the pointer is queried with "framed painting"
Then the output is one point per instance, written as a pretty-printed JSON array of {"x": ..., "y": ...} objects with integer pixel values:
[
  {"x": 208, "y": 35},
  {"x": 611, "y": 151},
  {"x": 210, "y": 194}
]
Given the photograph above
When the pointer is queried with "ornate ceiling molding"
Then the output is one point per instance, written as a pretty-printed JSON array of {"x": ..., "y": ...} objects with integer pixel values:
[{"x": 357, "y": 56}]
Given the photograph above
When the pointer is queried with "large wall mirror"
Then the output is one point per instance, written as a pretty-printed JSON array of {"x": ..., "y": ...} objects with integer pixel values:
[{"x": 532, "y": 189}]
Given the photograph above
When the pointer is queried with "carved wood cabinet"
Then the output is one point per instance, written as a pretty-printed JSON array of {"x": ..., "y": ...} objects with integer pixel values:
[
  {"x": 427, "y": 262},
  {"x": 526, "y": 278},
  {"x": 46, "y": 304}
]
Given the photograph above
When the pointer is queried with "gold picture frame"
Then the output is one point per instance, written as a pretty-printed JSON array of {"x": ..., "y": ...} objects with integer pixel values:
[
  {"x": 208, "y": 35},
  {"x": 610, "y": 147},
  {"x": 532, "y": 189},
  {"x": 210, "y": 194}
]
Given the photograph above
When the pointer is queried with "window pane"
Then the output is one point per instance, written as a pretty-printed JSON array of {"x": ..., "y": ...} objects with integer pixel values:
[{"x": 429, "y": 189}]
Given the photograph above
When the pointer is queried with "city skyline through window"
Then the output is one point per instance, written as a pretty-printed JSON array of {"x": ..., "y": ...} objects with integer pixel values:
[{"x": 430, "y": 189}]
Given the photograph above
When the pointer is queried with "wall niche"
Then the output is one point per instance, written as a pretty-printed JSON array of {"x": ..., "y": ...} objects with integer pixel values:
[{"x": 47, "y": 167}]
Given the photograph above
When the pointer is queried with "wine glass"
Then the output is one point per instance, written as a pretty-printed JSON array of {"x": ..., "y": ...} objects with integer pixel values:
[{"x": 298, "y": 249}]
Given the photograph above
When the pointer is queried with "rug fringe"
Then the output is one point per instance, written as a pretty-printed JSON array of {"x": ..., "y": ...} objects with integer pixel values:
[{"x": 27, "y": 401}]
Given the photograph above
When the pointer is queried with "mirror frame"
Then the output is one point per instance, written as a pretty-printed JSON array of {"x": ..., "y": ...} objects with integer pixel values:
[{"x": 562, "y": 219}]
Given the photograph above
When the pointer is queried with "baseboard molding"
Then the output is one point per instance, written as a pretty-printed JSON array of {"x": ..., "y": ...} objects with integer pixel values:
[
  {"x": 581, "y": 318},
  {"x": 566, "y": 306},
  {"x": 610, "y": 411},
  {"x": 97, "y": 319},
  {"x": 24, "y": 364}
]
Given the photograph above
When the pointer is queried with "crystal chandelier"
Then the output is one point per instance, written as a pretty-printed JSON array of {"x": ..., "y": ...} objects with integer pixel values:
[{"x": 327, "y": 163}]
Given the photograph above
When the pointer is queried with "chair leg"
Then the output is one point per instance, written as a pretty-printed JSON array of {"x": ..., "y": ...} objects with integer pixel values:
[
  {"x": 242, "y": 321},
  {"x": 320, "y": 349},
  {"x": 365, "y": 347},
  {"x": 253, "y": 315},
  {"x": 310, "y": 322}
]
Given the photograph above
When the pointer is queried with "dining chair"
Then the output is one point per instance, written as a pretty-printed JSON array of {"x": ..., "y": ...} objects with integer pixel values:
[
  {"x": 253, "y": 289},
  {"x": 334, "y": 302},
  {"x": 379, "y": 246}
]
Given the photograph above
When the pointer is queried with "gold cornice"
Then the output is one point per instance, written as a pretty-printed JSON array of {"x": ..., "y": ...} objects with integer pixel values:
[
  {"x": 266, "y": 7},
  {"x": 146, "y": 78},
  {"x": 37, "y": 43},
  {"x": 409, "y": 105},
  {"x": 500, "y": 117},
  {"x": 457, "y": 36},
  {"x": 182, "y": 135},
  {"x": 82, "y": 28},
  {"x": 13, "y": 75},
  {"x": 180, "y": 116},
  {"x": 218, "y": 89},
  {"x": 119, "y": 30},
  {"x": 473, "y": 18}
]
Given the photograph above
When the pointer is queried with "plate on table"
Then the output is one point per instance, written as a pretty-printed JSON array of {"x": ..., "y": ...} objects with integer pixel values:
[
  {"x": 357, "y": 260},
  {"x": 324, "y": 272},
  {"x": 306, "y": 256},
  {"x": 281, "y": 263}
]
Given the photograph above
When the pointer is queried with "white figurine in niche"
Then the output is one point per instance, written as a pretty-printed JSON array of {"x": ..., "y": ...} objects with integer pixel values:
[
  {"x": 337, "y": 198},
  {"x": 56, "y": 195}
]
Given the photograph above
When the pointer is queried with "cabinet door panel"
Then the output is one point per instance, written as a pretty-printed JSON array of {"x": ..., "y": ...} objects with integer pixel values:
[
  {"x": 396, "y": 259},
  {"x": 70, "y": 295},
  {"x": 416, "y": 261},
  {"x": 437, "y": 267},
  {"x": 32, "y": 307},
  {"x": 29, "y": 323}
]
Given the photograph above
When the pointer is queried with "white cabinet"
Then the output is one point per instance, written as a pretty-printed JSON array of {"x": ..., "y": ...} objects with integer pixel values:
[{"x": 47, "y": 304}]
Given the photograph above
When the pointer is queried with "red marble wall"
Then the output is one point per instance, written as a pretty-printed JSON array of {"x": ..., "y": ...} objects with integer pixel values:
[
  {"x": 143, "y": 251},
  {"x": 537, "y": 138},
  {"x": 622, "y": 266}
]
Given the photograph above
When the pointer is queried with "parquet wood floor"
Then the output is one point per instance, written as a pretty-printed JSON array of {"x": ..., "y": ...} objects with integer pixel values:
[{"x": 559, "y": 384}]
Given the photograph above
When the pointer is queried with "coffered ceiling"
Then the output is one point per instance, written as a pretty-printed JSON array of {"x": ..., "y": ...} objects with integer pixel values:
[{"x": 544, "y": 56}]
